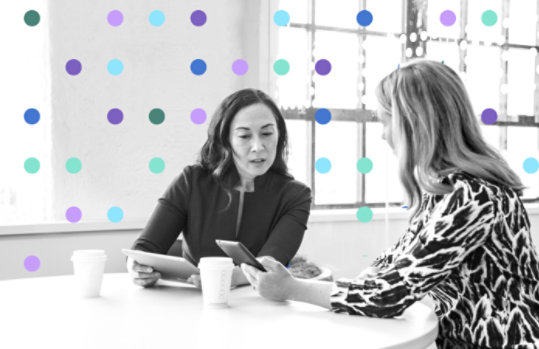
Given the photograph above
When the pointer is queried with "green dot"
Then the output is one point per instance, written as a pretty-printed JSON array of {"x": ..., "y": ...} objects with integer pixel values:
[
  {"x": 489, "y": 18},
  {"x": 157, "y": 116},
  {"x": 73, "y": 165},
  {"x": 364, "y": 165},
  {"x": 364, "y": 214},
  {"x": 31, "y": 18},
  {"x": 31, "y": 165},
  {"x": 157, "y": 165},
  {"x": 281, "y": 67}
]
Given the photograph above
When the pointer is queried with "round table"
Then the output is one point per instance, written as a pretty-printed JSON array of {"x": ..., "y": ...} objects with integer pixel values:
[{"x": 47, "y": 313}]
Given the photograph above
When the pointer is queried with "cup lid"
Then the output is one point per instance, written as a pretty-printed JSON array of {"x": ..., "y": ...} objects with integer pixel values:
[
  {"x": 215, "y": 261},
  {"x": 88, "y": 254}
]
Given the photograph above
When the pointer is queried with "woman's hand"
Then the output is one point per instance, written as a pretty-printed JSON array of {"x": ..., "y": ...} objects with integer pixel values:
[
  {"x": 195, "y": 280},
  {"x": 276, "y": 283},
  {"x": 143, "y": 275}
]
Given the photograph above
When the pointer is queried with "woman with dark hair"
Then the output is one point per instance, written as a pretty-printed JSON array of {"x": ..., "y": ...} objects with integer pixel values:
[
  {"x": 239, "y": 190},
  {"x": 468, "y": 245}
]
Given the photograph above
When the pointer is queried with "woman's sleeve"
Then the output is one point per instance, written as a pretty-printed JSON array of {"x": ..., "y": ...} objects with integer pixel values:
[
  {"x": 286, "y": 237},
  {"x": 168, "y": 218},
  {"x": 459, "y": 224}
]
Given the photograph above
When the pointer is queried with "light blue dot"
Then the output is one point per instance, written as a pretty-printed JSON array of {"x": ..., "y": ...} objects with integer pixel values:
[
  {"x": 115, "y": 214},
  {"x": 531, "y": 165},
  {"x": 281, "y": 18},
  {"x": 323, "y": 165},
  {"x": 115, "y": 67},
  {"x": 157, "y": 18}
]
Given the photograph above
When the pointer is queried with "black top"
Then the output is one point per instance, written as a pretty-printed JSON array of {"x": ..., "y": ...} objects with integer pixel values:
[{"x": 272, "y": 224}]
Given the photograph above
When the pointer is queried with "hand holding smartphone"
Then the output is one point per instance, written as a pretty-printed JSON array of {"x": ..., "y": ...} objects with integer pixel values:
[{"x": 239, "y": 253}]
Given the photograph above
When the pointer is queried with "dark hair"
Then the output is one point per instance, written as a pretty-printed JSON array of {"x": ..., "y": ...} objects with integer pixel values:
[{"x": 216, "y": 153}]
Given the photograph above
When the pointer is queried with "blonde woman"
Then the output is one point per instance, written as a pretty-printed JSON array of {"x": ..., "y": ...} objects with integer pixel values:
[{"x": 468, "y": 245}]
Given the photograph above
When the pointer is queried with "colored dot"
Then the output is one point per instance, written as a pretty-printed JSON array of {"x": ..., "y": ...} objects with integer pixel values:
[
  {"x": 73, "y": 214},
  {"x": 157, "y": 116},
  {"x": 323, "y": 67},
  {"x": 489, "y": 116},
  {"x": 73, "y": 165},
  {"x": 322, "y": 116},
  {"x": 364, "y": 165},
  {"x": 198, "y": 67},
  {"x": 489, "y": 18},
  {"x": 73, "y": 67},
  {"x": 240, "y": 67},
  {"x": 198, "y": 18},
  {"x": 281, "y": 67},
  {"x": 31, "y": 116},
  {"x": 157, "y": 165},
  {"x": 115, "y": 67},
  {"x": 405, "y": 207},
  {"x": 364, "y": 18},
  {"x": 364, "y": 214},
  {"x": 31, "y": 263},
  {"x": 31, "y": 165},
  {"x": 531, "y": 165},
  {"x": 115, "y": 214},
  {"x": 115, "y": 116},
  {"x": 281, "y": 18},
  {"x": 31, "y": 18},
  {"x": 323, "y": 165},
  {"x": 115, "y": 18},
  {"x": 448, "y": 18},
  {"x": 198, "y": 116},
  {"x": 157, "y": 18}
]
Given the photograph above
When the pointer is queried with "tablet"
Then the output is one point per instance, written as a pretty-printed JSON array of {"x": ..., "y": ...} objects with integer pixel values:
[
  {"x": 170, "y": 267},
  {"x": 239, "y": 253}
]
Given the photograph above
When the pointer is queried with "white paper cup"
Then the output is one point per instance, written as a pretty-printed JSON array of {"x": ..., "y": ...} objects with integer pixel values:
[
  {"x": 215, "y": 276},
  {"x": 88, "y": 267}
]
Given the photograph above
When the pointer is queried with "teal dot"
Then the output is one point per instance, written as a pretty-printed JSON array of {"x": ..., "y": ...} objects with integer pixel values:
[
  {"x": 31, "y": 165},
  {"x": 73, "y": 165},
  {"x": 364, "y": 165},
  {"x": 323, "y": 165},
  {"x": 157, "y": 165},
  {"x": 281, "y": 18},
  {"x": 531, "y": 165},
  {"x": 489, "y": 18},
  {"x": 115, "y": 67},
  {"x": 115, "y": 214},
  {"x": 157, "y": 18},
  {"x": 364, "y": 214},
  {"x": 281, "y": 67},
  {"x": 157, "y": 116}
]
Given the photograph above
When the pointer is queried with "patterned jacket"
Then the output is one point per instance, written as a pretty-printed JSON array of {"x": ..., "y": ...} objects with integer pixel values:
[{"x": 471, "y": 251}]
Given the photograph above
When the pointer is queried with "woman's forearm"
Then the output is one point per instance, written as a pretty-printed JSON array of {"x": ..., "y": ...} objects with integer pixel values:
[{"x": 311, "y": 291}]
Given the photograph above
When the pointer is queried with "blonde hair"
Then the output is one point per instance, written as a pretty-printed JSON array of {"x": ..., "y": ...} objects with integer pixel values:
[{"x": 435, "y": 131}]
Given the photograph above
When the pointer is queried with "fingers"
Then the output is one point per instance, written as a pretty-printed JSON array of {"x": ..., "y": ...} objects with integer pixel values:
[
  {"x": 141, "y": 268},
  {"x": 195, "y": 280},
  {"x": 270, "y": 263},
  {"x": 250, "y": 273},
  {"x": 146, "y": 279}
]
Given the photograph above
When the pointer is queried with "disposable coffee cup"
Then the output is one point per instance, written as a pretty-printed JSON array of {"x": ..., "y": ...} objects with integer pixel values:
[
  {"x": 215, "y": 276},
  {"x": 88, "y": 267}
]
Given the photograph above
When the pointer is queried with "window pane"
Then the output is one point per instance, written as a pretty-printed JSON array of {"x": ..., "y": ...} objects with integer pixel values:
[
  {"x": 340, "y": 13},
  {"x": 523, "y": 17},
  {"x": 441, "y": 51},
  {"x": 483, "y": 77},
  {"x": 491, "y": 134},
  {"x": 337, "y": 141},
  {"x": 386, "y": 14},
  {"x": 297, "y": 9},
  {"x": 475, "y": 28},
  {"x": 518, "y": 151},
  {"x": 521, "y": 82},
  {"x": 435, "y": 26},
  {"x": 298, "y": 158}
]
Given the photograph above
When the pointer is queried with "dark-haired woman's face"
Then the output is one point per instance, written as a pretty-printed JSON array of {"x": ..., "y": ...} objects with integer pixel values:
[{"x": 254, "y": 137}]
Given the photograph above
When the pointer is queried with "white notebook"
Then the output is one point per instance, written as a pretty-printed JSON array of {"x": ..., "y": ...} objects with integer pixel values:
[{"x": 170, "y": 267}]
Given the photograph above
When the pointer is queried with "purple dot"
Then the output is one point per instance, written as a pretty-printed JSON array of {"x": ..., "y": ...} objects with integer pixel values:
[
  {"x": 73, "y": 214},
  {"x": 489, "y": 116},
  {"x": 198, "y": 18},
  {"x": 198, "y": 116},
  {"x": 448, "y": 18},
  {"x": 239, "y": 67},
  {"x": 115, "y": 116},
  {"x": 115, "y": 18},
  {"x": 32, "y": 263},
  {"x": 73, "y": 67},
  {"x": 323, "y": 67}
]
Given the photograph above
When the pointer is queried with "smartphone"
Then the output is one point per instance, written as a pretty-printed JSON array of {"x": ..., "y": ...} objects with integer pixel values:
[{"x": 239, "y": 253}]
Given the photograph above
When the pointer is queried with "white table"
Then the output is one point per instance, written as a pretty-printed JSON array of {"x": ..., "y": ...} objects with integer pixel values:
[{"x": 46, "y": 313}]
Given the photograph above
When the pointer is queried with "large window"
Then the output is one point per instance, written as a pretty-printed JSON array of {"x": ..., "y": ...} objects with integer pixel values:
[{"x": 491, "y": 44}]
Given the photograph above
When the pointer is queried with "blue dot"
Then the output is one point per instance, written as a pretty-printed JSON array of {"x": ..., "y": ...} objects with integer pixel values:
[
  {"x": 115, "y": 67},
  {"x": 364, "y": 18},
  {"x": 31, "y": 116},
  {"x": 322, "y": 116},
  {"x": 281, "y": 18},
  {"x": 157, "y": 18},
  {"x": 323, "y": 165},
  {"x": 531, "y": 165},
  {"x": 115, "y": 214},
  {"x": 198, "y": 67}
]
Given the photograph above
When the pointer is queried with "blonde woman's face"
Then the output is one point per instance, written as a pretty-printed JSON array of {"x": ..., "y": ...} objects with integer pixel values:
[{"x": 387, "y": 133}]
